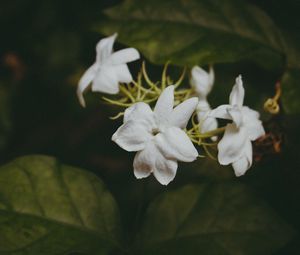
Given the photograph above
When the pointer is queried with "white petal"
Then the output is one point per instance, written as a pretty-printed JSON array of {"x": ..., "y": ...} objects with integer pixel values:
[
  {"x": 124, "y": 56},
  {"x": 164, "y": 105},
  {"x": 85, "y": 81},
  {"x": 237, "y": 93},
  {"x": 144, "y": 161},
  {"x": 201, "y": 81},
  {"x": 249, "y": 113},
  {"x": 151, "y": 160},
  {"x": 232, "y": 144},
  {"x": 203, "y": 106},
  {"x": 253, "y": 124},
  {"x": 255, "y": 129},
  {"x": 106, "y": 81},
  {"x": 221, "y": 112},
  {"x": 208, "y": 124},
  {"x": 236, "y": 115},
  {"x": 165, "y": 170},
  {"x": 240, "y": 166},
  {"x": 138, "y": 111},
  {"x": 123, "y": 74},
  {"x": 104, "y": 48},
  {"x": 183, "y": 112},
  {"x": 175, "y": 144},
  {"x": 132, "y": 135},
  {"x": 244, "y": 163}
]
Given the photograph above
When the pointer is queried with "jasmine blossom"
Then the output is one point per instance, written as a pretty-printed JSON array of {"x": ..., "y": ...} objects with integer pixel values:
[
  {"x": 235, "y": 147},
  {"x": 109, "y": 69},
  {"x": 158, "y": 136}
]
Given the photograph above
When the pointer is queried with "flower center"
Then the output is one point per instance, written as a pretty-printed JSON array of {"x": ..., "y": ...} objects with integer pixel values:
[{"x": 155, "y": 131}]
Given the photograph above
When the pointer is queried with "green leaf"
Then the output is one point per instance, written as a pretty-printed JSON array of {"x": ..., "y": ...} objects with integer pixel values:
[
  {"x": 211, "y": 219},
  {"x": 291, "y": 91},
  {"x": 196, "y": 32},
  {"x": 49, "y": 208}
]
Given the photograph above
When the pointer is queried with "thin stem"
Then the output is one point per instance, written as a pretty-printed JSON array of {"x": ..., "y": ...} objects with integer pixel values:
[
  {"x": 115, "y": 102},
  {"x": 209, "y": 153},
  {"x": 164, "y": 76},
  {"x": 214, "y": 132},
  {"x": 147, "y": 79},
  {"x": 180, "y": 78},
  {"x": 127, "y": 93}
]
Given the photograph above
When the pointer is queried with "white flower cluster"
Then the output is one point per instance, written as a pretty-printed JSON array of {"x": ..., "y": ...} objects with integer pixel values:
[{"x": 159, "y": 136}]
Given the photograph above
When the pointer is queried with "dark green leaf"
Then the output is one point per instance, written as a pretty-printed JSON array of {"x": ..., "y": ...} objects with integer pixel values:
[
  {"x": 49, "y": 208},
  {"x": 211, "y": 219},
  {"x": 291, "y": 91},
  {"x": 196, "y": 32}
]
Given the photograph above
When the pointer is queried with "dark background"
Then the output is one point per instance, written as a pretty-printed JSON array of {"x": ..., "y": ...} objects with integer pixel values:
[{"x": 44, "y": 48}]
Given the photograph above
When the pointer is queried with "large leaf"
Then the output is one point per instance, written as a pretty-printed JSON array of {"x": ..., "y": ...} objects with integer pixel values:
[
  {"x": 211, "y": 219},
  {"x": 196, "y": 32},
  {"x": 49, "y": 208}
]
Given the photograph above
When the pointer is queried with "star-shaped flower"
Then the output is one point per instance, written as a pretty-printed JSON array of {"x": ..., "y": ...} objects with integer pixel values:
[
  {"x": 235, "y": 147},
  {"x": 158, "y": 136},
  {"x": 109, "y": 69}
]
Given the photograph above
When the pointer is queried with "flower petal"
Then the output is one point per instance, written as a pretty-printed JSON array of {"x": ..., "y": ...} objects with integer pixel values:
[
  {"x": 255, "y": 129},
  {"x": 231, "y": 146},
  {"x": 164, "y": 105},
  {"x": 236, "y": 115},
  {"x": 175, "y": 144},
  {"x": 240, "y": 166},
  {"x": 202, "y": 81},
  {"x": 221, "y": 112},
  {"x": 104, "y": 48},
  {"x": 124, "y": 56},
  {"x": 237, "y": 93},
  {"x": 151, "y": 160},
  {"x": 165, "y": 170},
  {"x": 85, "y": 81},
  {"x": 106, "y": 81},
  {"x": 183, "y": 112},
  {"x": 144, "y": 161},
  {"x": 138, "y": 111},
  {"x": 244, "y": 163},
  {"x": 249, "y": 113},
  {"x": 203, "y": 106},
  {"x": 132, "y": 135},
  {"x": 253, "y": 124},
  {"x": 208, "y": 124},
  {"x": 123, "y": 74}
]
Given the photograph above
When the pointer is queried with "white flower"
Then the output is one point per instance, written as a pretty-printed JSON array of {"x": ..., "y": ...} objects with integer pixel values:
[
  {"x": 109, "y": 69},
  {"x": 235, "y": 147},
  {"x": 157, "y": 136},
  {"x": 203, "y": 83}
]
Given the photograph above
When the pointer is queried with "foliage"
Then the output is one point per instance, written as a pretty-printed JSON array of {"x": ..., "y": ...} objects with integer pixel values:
[
  {"x": 50, "y": 208},
  {"x": 47, "y": 207}
]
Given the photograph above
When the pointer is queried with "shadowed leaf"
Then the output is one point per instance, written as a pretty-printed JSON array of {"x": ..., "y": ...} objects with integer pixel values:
[
  {"x": 49, "y": 208},
  {"x": 196, "y": 32},
  {"x": 212, "y": 219}
]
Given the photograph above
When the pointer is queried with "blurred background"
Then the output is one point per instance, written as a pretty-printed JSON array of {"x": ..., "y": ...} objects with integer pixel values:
[{"x": 45, "y": 47}]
